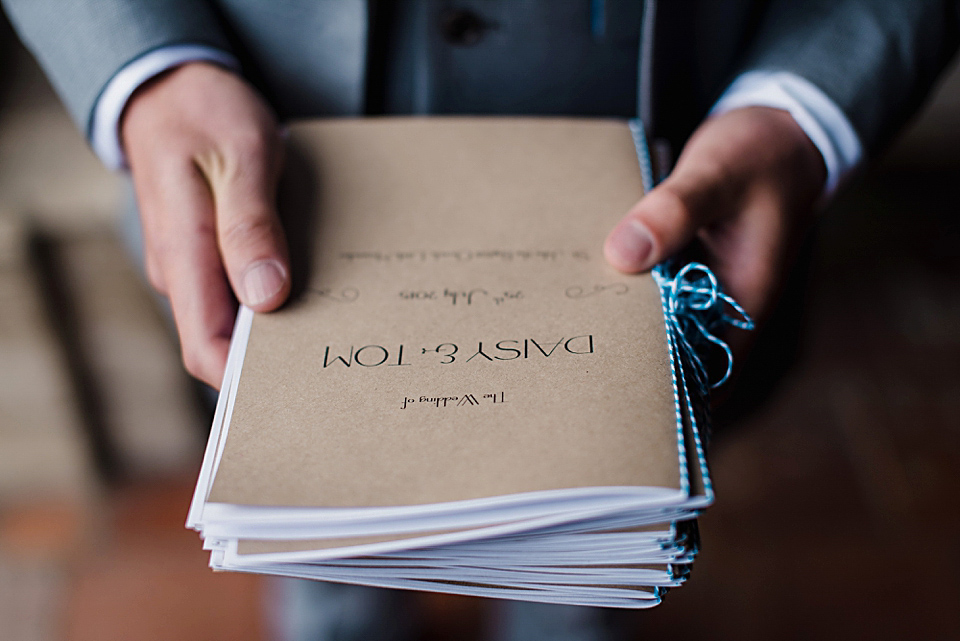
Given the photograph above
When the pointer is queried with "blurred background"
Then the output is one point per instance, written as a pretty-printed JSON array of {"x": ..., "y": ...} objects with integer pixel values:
[{"x": 837, "y": 500}]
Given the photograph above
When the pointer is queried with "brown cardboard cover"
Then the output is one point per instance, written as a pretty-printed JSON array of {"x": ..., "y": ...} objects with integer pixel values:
[{"x": 424, "y": 234}]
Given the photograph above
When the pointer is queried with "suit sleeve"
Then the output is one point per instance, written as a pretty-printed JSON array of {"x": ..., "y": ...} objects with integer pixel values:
[
  {"x": 875, "y": 59},
  {"x": 82, "y": 44}
]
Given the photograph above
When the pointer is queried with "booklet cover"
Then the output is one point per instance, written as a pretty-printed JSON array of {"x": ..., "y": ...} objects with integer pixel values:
[
  {"x": 460, "y": 376},
  {"x": 460, "y": 334}
]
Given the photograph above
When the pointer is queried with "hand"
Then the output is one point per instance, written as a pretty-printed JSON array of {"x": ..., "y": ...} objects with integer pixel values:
[
  {"x": 745, "y": 186},
  {"x": 205, "y": 154}
]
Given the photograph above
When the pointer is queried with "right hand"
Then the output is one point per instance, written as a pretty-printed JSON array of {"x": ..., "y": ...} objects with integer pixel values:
[{"x": 205, "y": 153}]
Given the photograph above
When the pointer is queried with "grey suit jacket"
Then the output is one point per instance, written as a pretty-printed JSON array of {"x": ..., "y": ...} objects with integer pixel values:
[{"x": 667, "y": 59}]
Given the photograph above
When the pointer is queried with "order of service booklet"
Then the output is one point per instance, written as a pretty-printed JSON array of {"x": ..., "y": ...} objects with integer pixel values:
[{"x": 462, "y": 395}]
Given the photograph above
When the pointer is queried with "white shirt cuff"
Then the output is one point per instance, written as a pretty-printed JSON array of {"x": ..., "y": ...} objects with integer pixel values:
[
  {"x": 821, "y": 119},
  {"x": 105, "y": 126}
]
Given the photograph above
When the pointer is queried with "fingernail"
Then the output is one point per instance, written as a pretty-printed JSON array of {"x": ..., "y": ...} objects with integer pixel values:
[
  {"x": 262, "y": 281},
  {"x": 630, "y": 245}
]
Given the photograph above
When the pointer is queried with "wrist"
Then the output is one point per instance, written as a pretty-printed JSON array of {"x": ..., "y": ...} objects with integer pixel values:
[
  {"x": 104, "y": 129},
  {"x": 801, "y": 167},
  {"x": 197, "y": 101},
  {"x": 821, "y": 119},
  {"x": 764, "y": 148}
]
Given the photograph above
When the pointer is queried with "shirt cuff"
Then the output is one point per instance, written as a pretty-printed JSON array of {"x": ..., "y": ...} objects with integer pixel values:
[
  {"x": 821, "y": 119},
  {"x": 105, "y": 125}
]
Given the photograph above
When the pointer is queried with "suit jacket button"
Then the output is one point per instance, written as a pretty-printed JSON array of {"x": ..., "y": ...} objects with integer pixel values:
[{"x": 462, "y": 27}]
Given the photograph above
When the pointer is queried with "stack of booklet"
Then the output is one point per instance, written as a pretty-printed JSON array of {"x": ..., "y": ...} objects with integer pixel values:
[{"x": 462, "y": 396}]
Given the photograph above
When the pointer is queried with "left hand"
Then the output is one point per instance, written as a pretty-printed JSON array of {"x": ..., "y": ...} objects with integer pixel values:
[{"x": 745, "y": 186}]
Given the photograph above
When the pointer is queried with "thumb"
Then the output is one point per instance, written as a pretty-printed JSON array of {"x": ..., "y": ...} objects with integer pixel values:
[
  {"x": 249, "y": 233},
  {"x": 663, "y": 221}
]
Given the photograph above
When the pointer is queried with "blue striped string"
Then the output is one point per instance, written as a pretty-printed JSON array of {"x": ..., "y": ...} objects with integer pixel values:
[
  {"x": 695, "y": 303},
  {"x": 697, "y": 310}
]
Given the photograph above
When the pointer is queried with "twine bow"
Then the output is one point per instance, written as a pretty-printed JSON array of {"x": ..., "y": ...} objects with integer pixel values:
[{"x": 697, "y": 310}]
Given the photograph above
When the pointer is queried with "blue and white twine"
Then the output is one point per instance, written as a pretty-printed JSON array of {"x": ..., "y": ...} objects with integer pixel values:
[{"x": 696, "y": 309}]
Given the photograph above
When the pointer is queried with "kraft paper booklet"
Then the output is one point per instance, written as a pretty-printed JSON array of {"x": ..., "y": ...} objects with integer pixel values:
[{"x": 462, "y": 395}]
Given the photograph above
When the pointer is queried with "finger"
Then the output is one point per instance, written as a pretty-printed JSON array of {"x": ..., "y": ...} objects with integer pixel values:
[
  {"x": 666, "y": 220},
  {"x": 249, "y": 232},
  {"x": 204, "y": 309},
  {"x": 154, "y": 273},
  {"x": 176, "y": 201}
]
